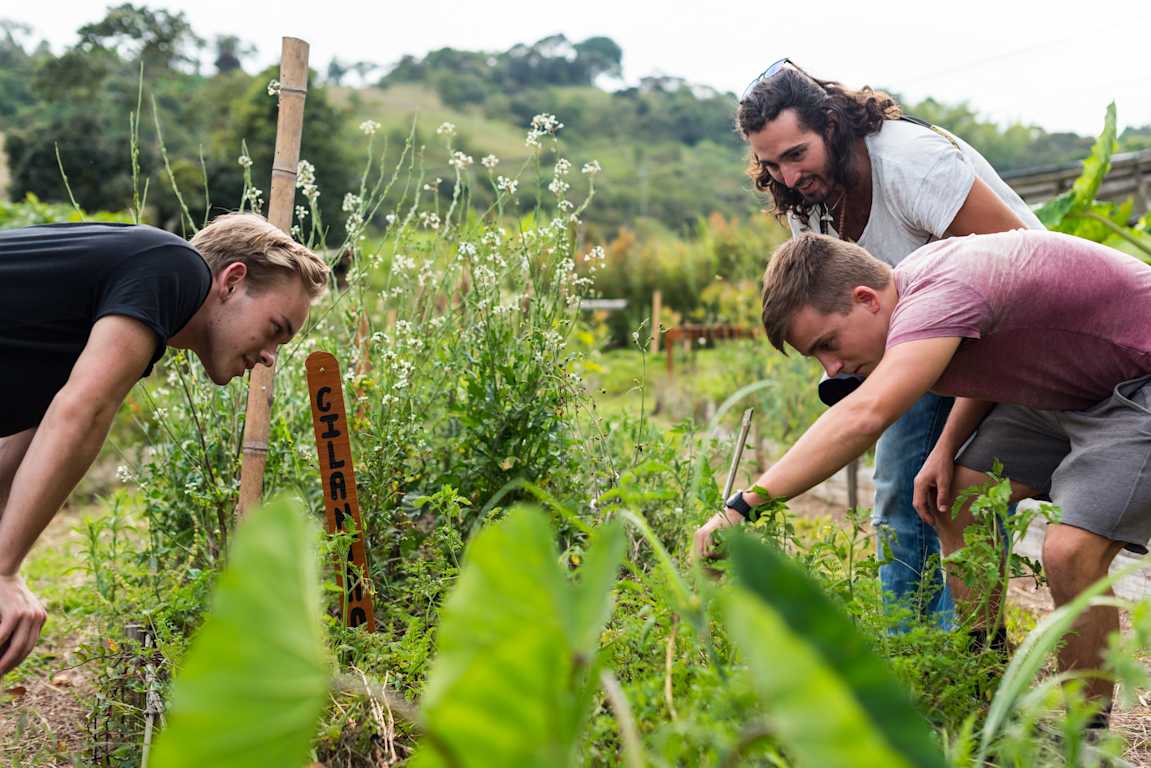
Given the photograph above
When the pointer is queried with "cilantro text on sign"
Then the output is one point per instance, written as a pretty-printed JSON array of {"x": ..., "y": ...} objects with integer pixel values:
[{"x": 333, "y": 445}]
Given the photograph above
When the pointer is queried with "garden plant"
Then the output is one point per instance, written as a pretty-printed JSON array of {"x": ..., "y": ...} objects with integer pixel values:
[{"x": 528, "y": 548}]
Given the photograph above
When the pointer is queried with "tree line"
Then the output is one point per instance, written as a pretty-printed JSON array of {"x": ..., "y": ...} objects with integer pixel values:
[{"x": 674, "y": 156}]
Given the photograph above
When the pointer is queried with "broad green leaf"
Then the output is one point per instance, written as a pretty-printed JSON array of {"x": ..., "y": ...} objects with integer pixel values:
[
  {"x": 1098, "y": 163},
  {"x": 512, "y": 680},
  {"x": 830, "y": 698},
  {"x": 597, "y": 576},
  {"x": 1052, "y": 213},
  {"x": 1095, "y": 167},
  {"x": 255, "y": 680}
]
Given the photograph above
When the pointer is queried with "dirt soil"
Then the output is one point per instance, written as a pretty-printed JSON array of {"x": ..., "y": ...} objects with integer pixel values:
[{"x": 44, "y": 705}]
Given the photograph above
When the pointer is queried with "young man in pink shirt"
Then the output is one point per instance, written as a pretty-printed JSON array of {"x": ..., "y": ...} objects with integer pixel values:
[{"x": 1045, "y": 341}]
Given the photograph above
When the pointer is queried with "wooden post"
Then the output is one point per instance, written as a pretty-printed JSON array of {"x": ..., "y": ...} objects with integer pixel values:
[
  {"x": 853, "y": 485},
  {"x": 341, "y": 503},
  {"x": 737, "y": 454},
  {"x": 289, "y": 128},
  {"x": 656, "y": 306}
]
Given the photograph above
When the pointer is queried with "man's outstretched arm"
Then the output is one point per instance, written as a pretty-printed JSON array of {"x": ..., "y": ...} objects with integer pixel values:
[
  {"x": 849, "y": 428},
  {"x": 64, "y": 446}
]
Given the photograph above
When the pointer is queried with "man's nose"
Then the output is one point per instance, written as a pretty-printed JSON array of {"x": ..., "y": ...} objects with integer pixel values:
[
  {"x": 790, "y": 175},
  {"x": 268, "y": 356},
  {"x": 832, "y": 365}
]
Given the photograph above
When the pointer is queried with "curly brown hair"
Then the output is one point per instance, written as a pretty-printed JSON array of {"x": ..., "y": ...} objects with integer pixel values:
[{"x": 836, "y": 113}]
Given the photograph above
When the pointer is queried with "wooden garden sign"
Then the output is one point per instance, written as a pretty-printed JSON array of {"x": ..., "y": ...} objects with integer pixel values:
[{"x": 333, "y": 444}]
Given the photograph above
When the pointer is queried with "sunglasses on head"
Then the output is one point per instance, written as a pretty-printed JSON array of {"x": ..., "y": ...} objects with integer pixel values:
[{"x": 774, "y": 69}]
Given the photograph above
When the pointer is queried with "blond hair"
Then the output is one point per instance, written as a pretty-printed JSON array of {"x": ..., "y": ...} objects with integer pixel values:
[
  {"x": 267, "y": 252},
  {"x": 817, "y": 271}
]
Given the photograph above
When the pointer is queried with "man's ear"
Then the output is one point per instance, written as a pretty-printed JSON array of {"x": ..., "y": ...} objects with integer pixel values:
[
  {"x": 231, "y": 278},
  {"x": 868, "y": 297}
]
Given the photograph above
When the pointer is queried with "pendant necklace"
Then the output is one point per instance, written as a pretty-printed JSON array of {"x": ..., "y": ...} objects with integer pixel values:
[{"x": 840, "y": 216}]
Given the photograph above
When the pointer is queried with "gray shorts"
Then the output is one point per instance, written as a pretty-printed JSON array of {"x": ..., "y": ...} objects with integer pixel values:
[{"x": 1094, "y": 464}]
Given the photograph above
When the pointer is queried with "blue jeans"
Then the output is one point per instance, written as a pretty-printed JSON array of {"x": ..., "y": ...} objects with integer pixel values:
[{"x": 909, "y": 569}]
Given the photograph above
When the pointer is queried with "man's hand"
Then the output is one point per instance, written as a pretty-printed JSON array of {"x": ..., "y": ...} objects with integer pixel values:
[
  {"x": 932, "y": 495},
  {"x": 21, "y": 617},
  {"x": 724, "y": 519}
]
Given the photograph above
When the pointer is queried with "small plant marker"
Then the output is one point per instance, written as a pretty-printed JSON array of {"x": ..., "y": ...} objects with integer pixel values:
[
  {"x": 737, "y": 454},
  {"x": 333, "y": 445}
]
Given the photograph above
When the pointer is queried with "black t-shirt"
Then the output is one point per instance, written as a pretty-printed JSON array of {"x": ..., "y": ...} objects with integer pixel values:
[{"x": 57, "y": 280}]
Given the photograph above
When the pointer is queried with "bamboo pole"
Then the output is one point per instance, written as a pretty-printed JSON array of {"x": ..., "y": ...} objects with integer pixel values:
[
  {"x": 737, "y": 454},
  {"x": 656, "y": 306},
  {"x": 289, "y": 128},
  {"x": 853, "y": 485}
]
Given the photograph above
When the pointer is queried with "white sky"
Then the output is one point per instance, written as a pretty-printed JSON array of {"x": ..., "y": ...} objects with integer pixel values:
[{"x": 1050, "y": 67}]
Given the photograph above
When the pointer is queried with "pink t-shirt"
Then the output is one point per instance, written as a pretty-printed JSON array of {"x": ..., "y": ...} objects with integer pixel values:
[{"x": 1048, "y": 320}]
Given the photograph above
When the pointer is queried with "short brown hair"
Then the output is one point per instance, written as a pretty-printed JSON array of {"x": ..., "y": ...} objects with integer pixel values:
[
  {"x": 264, "y": 249},
  {"x": 819, "y": 271}
]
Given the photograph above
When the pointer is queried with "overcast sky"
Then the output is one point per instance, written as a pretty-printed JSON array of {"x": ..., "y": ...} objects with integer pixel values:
[{"x": 1047, "y": 67}]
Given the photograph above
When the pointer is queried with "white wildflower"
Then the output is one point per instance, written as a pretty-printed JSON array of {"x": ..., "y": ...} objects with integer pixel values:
[
  {"x": 305, "y": 173},
  {"x": 244, "y": 161},
  {"x": 430, "y": 220},
  {"x": 504, "y": 184},
  {"x": 446, "y": 129},
  {"x": 546, "y": 123},
  {"x": 467, "y": 250},
  {"x": 255, "y": 197},
  {"x": 490, "y": 161},
  {"x": 558, "y": 187},
  {"x": 369, "y": 127},
  {"x": 484, "y": 274},
  {"x": 542, "y": 125},
  {"x": 301, "y": 212},
  {"x": 273, "y": 87},
  {"x": 592, "y": 168},
  {"x": 351, "y": 203},
  {"x": 563, "y": 165},
  {"x": 354, "y": 223},
  {"x": 124, "y": 475},
  {"x": 390, "y": 219},
  {"x": 460, "y": 161},
  {"x": 306, "y": 180}
]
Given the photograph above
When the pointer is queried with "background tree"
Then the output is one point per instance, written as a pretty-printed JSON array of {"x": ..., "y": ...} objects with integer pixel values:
[
  {"x": 231, "y": 52},
  {"x": 162, "y": 40}
]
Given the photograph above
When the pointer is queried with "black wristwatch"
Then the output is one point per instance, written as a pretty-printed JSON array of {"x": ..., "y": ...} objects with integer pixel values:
[{"x": 740, "y": 505}]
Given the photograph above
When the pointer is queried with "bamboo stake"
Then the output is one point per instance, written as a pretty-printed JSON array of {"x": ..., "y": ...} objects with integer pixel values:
[
  {"x": 289, "y": 128},
  {"x": 853, "y": 485},
  {"x": 656, "y": 306},
  {"x": 744, "y": 426}
]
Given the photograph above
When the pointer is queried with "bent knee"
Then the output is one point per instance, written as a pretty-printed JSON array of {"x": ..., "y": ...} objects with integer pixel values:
[{"x": 1074, "y": 558}]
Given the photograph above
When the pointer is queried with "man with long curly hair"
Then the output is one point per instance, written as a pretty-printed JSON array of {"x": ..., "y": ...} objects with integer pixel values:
[{"x": 849, "y": 164}]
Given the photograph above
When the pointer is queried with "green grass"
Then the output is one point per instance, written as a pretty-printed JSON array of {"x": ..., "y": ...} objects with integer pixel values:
[{"x": 395, "y": 107}]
